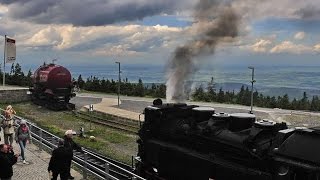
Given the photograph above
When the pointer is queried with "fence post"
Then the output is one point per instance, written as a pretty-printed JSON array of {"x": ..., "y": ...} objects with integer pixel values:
[
  {"x": 107, "y": 167},
  {"x": 40, "y": 134},
  {"x": 85, "y": 166},
  {"x": 132, "y": 159},
  {"x": 30, "y": 127}
]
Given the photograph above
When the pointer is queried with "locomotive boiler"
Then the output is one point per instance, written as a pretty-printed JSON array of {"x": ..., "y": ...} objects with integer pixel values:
[
  {"x": 180, "y": 141},
  {"x": 52, "y": 87}
]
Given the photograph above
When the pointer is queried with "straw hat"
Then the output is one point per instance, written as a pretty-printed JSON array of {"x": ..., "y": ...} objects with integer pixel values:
[{"x": 9, "y": 107}]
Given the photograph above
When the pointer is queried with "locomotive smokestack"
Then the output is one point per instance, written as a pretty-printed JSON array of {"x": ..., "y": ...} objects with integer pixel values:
[{"x": 215, "y": 22}]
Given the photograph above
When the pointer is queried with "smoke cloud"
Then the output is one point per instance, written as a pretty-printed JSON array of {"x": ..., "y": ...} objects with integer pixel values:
[{"x": 216, "y": 22}]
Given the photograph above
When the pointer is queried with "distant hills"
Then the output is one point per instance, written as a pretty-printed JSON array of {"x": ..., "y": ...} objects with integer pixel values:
[{"x": 270, "y": 91}]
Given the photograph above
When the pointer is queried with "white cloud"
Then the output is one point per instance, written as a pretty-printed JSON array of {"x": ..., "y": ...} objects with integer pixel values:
[
  {"x": 119, "y": 50},
  {"x": 261, "y": 45},
  {"x": 290, "y": 47},
  {"x": 299, "y": 35},
  {"x": 316, "y": 48},
  {"x": 3, "y": 9},
  {"x": 105, "y": 40}
]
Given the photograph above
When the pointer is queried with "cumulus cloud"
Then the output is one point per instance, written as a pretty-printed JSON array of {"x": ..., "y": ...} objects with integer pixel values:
[
  {"x": 317, "y": 48},
  {"x": 299, "y": 35},
  {"x": 89, "y": 13},
  {"x": 261, "y": 45},
  {"x": 3, "y": 9},
  {"x": 107, "y": 40},
  {"x": 290, "y": 47}
]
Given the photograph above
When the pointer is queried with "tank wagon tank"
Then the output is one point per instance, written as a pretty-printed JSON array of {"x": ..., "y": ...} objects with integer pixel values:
[
  {"x": 180, "y": 141},
  {"x": 52, "y": 87}
]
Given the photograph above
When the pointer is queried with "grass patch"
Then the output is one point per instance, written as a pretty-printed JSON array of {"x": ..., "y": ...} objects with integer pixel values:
[{"x": 110, "y": 136}]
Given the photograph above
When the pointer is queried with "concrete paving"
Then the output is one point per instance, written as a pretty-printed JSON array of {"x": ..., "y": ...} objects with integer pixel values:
[
  {"x": 37, "y": 169},
  {"x": 109, "y": 106},
  {"x": 10, "y": 87}
]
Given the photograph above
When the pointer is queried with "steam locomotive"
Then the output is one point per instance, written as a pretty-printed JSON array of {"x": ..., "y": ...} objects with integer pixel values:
[
  {"x": 180, "y": 141},
  {"x": 52, "y": 87}
]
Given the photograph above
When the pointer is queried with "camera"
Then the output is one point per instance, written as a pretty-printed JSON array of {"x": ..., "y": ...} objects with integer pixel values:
[{"x": 10, "y": 149}]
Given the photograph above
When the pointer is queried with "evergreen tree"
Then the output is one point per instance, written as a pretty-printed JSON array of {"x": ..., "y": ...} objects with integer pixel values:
[
  {"x": 315, "y": 104},
  {"x": 220, "y": 96},
  {"x": 80, "y": 82},
  {"x": 12, "y": 69},
  {"x": 304, "y": 103},
  {"x": 199, "y": 94},
  {"x": 211, "y": 90},
  {"x": 294, "y": 104},
  {"x": 240, "y": 95},
  {"x": 139, "y": 89},
  {"x": 273, "y": 102},
  {"x": 28, "y": 79},
  {"x": 284, "y": 102}
]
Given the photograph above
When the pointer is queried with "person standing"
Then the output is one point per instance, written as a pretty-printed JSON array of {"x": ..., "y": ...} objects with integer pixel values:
[
  {"x": 70, "y": 145},
  {"x": 59, "y": 162},
  {"x": 8, "y": 125},
  {"x": 7, "y": 160},
  {"x": 23, "y": 135}
]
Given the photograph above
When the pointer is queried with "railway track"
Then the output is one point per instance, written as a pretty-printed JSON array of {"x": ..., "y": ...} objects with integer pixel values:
[
  {"x": 127, "y": 126},
  {"x": 90, "y": 161}
]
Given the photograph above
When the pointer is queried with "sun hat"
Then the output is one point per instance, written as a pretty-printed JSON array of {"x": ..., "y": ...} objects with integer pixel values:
[
  {"x": 9, "y": 107},
  {"x": 68, "y": 132}
]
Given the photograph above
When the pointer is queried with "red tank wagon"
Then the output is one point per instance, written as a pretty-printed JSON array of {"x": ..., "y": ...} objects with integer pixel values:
[{"x": 52, "y": 87}]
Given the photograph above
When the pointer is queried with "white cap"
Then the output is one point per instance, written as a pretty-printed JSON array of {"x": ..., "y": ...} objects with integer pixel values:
[
  {"x": 23, "y": 121},
  {"x": 68, "y": 132}
]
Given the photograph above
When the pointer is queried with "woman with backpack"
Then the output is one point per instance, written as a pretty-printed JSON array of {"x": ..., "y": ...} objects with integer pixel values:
[{"x": 23, "y": 135}]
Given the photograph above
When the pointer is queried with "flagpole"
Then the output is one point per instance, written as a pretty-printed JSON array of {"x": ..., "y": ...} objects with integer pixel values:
[{"x": 4, "y": 61}]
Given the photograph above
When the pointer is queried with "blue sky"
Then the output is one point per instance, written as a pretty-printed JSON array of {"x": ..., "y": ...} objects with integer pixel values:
[{"x": 98, "y": 32}]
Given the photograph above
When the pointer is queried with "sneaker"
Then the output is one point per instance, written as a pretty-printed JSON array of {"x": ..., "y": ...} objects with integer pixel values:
[
  {"x": 25, "y": 162},
  {"x": 71, "y": 177}
]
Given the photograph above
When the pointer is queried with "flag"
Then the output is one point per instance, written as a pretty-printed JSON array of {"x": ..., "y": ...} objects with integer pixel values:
[{"x": 10, "y": 50}]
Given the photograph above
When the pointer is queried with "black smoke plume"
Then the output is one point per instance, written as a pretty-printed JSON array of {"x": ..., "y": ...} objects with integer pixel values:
[{"x": 215, "y": 22}]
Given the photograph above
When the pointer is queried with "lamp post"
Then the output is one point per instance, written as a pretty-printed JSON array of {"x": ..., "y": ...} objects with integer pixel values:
[
  {"x": 119, "y": 85},
  {"x": 252, "y": 81}
]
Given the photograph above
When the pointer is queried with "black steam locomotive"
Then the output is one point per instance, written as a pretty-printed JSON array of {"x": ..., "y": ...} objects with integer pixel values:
[{"x": 179, "y": 141}]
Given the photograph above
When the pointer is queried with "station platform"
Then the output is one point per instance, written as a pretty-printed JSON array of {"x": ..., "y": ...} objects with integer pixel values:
[
  {"x": 38, "y": 164},
  {"x": 108, "y": 106}
]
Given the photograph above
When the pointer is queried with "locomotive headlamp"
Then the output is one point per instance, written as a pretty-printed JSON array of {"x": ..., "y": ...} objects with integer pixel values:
[{"x": 283, "y": 170}]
